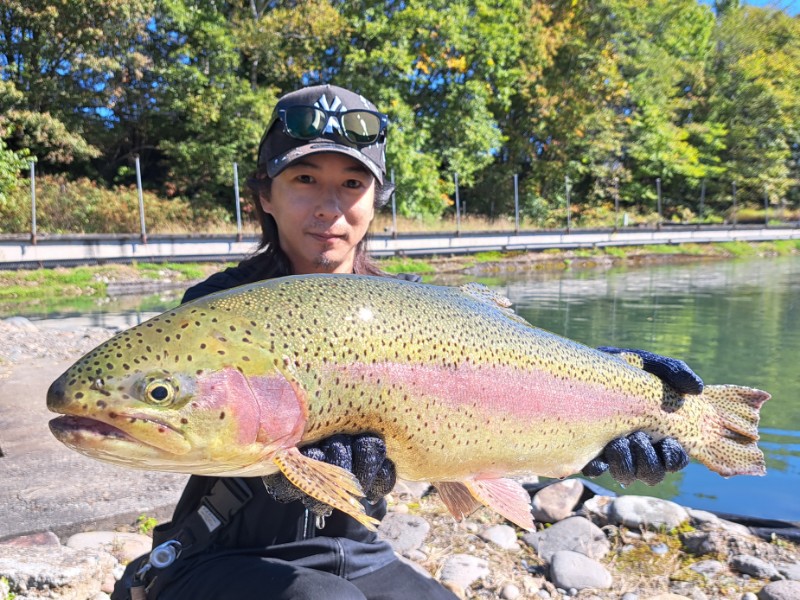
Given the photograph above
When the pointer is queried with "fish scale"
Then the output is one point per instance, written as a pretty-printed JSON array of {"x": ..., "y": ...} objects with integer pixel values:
[{"x": 464, "y": 392}]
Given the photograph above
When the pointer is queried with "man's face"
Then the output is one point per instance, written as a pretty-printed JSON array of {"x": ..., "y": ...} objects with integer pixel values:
[{"x": 323, "y": 205}]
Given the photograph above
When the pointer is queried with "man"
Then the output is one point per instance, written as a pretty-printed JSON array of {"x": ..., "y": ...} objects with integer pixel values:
[{"x": 320, "y": 177}]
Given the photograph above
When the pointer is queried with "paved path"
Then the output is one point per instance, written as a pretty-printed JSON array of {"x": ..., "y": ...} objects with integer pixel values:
[{"x": 46, "y": 486}]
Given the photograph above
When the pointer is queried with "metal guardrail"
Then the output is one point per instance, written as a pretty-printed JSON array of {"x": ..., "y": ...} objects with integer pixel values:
[{"x": 17, "y": 251}]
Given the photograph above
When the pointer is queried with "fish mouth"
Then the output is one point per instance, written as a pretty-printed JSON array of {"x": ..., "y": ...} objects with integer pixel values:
[{"x": 86, "y": 434}]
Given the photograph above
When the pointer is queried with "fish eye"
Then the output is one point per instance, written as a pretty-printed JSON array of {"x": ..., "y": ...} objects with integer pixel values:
[{"x": 159, "y": 392}]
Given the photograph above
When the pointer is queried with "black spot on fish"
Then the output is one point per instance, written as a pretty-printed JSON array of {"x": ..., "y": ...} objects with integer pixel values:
[
  {"x": 222, "y": 415},
  {"x": 184, "y": 421}
]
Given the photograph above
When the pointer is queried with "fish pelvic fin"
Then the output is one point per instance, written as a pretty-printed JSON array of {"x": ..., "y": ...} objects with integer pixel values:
[
  {"x": 731, "y": 448},
  {"x": 457, "y": 498},
  {"x": 504, "y": 496},
  {"x": 332, "y": 485}
]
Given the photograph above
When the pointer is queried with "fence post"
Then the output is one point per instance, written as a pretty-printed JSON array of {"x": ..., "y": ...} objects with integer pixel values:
[
  {"x": 516, "y": 203},
  {"x": 702, "y": 198},
  {"x": 569, "y": 213},
  {"x": 238, "y": 202},
  {"x": 658, "y": 192},
  {"x": 458, "y": 208},
  {"x": 616, "y": 203},
  {"x": 141, "y": 200},
  {"x": 735, "y": 216},
  {"x": 394, "y": 210},
  {"x": 766, "y": 208},
  {"x": 33, "y": 202}
]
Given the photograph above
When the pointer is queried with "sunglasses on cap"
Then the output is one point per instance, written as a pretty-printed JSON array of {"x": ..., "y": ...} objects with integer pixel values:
[{"x": 361, "y": 127}]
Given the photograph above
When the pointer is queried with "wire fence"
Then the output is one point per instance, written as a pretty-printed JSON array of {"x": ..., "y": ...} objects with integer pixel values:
[{"x": 460, "y": 221}]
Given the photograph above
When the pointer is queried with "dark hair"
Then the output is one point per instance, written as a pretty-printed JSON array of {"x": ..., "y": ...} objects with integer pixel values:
[{"x": 269, "y": 261}]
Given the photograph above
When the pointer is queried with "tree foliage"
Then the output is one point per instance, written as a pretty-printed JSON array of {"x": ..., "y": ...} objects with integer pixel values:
[{"x": 611, "y": 95}]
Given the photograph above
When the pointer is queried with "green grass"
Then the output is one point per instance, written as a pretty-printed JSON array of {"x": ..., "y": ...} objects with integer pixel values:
[
  {"x": 187, "y": 270},
  {"x": 739, "y": 249},
  {"x": 402, "y": 264}
]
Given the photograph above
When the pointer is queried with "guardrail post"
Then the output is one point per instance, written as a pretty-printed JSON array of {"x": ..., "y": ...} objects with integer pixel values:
[
  {"x": 238, "y": 202},
  {"x": 766, "y": 208},
  {"x": 702, "y": 198},
  {"x": 141, "y": 200},
  {"x": 394, "y": 209},
  {"x": 658, "y": 193},
  {"x": 516, "y": 203},
  {"x": 458, "y": 208},
  {"x": 616, "y": 203},
  {"x": 33, "y": 202},
  {"x": 569, "y": 214},
  {"x": 735, "y": 216}
]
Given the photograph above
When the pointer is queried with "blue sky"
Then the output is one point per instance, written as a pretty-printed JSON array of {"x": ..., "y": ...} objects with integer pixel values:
[{"x": 790, "y": 6}]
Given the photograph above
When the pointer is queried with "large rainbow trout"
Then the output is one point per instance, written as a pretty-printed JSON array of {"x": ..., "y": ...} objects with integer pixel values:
[{"x": 463, "y": 391}]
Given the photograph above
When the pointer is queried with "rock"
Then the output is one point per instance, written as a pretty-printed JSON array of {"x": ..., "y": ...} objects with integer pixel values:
[
  {"x": 780, "y": 590},
  {"x": 411, "y": 490},
  {"x": 629, "y": 596},
  {"x": 668, "y": 596},
  {"x": 790, "y": 571},
  {"x": 122, "y": 545},
  {"x": 734, "y": 528},
  {"x": 20, "y": 323},
  {"x": 597, "y": 509},
  {"x": 45, "y": 538},
  {"x": 510, "y": 592},
  {"x": 501, "y": 535},
  {"x": 63, "y": 572},
  {"x": 644, "y": 511},
  {"x": 708, "y": 568},
  {"x": 702, "y": 517},
  {"x": 404, "y": 532},
  {"x": 659, "y": 549},
  {"x": 556, "y": 501},
  {"x": 574, "y": 570},
  {"x": 462, "y": 570},
  {"x": 416, "y": 566},
  {"x": 754, "y": 566},
  {"x": 576, "y": 534},
  {"x": 705, "y": 542},
  {"x": 749, "y": 596}
]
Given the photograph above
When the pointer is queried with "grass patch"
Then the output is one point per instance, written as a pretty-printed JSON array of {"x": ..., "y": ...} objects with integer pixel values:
[
  {"x": 739, "y": 249},
  {"x": 491, "y": 256},
  {"x": 403, "y": 264}
]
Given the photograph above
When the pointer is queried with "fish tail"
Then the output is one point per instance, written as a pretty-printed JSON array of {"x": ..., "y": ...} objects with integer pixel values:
[{"x": 731, "y": 431}]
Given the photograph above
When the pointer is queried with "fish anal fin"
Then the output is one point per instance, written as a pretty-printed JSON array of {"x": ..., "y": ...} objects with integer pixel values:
[
  {"x": 504, "y": 496},
  {"x": 457, "y": 498},
  {"x": 328, "y": 483}
]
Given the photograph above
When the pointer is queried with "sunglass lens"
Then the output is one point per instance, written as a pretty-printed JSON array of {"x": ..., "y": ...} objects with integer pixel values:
[
  {"x": 360, "y": 126},
  {"x": 304, "y": 122}
]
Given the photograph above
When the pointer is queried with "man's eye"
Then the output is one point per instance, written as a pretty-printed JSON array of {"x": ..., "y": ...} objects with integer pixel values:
[
  {"x": 305, "y": 179},
  {"x": 353, "y": 183}
]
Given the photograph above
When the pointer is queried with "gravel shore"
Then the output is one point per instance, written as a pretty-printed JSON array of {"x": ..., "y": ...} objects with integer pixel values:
[{"x": 587, "y": 545}]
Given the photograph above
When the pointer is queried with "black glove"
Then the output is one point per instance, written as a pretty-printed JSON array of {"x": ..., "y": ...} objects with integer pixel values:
[
  {"x": 635, "y": 456},
  {"x": 675, "y": 373},
  {"x": 364, "y": 455}
]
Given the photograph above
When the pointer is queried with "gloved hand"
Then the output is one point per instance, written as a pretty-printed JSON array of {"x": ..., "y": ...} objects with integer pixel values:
[
  {"x": 364, "y": 455},
  {"x": 636, "y": 456}
]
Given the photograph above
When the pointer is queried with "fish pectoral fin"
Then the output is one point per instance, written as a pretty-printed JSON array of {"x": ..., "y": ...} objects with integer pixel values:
[
  {"x": 336, "y": 487},
  {"x": 457, "y": 498},
  {"x": 504, "y": 496}
]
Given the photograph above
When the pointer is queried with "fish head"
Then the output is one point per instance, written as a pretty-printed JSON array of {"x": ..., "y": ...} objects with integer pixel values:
[{"x": 161, "y": 396}]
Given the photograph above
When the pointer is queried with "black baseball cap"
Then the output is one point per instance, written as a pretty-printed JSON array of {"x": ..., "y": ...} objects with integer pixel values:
[{"x": 278, "y": 149}]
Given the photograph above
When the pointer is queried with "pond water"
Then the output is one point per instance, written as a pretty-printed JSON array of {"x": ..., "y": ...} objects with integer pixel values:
[{"x": 733, "y": 322}]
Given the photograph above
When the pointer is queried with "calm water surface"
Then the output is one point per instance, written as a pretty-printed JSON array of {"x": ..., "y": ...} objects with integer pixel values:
[{"x": 733, "y": 322}]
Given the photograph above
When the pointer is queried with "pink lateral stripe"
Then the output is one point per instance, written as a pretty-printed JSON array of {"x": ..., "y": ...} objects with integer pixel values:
[{"x": 500, "y": 390}]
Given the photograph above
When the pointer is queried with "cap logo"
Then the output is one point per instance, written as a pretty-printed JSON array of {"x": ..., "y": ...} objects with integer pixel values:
[{"x": 336, "y": 106}]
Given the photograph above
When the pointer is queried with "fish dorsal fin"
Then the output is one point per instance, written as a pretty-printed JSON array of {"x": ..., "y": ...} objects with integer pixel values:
[{"x": 488, "y": 296}]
